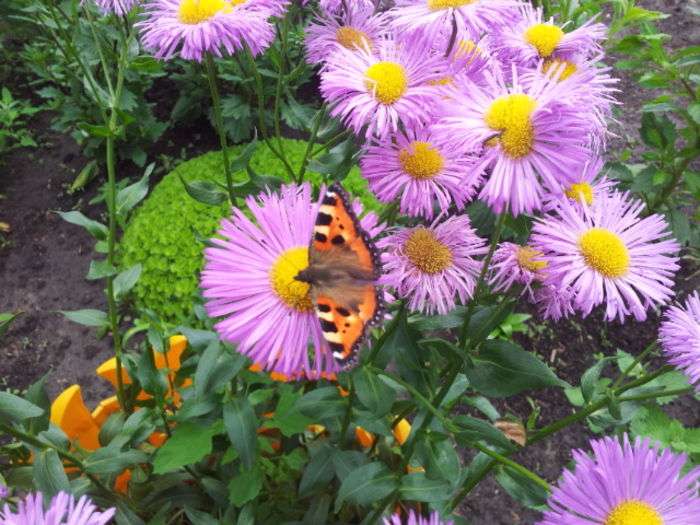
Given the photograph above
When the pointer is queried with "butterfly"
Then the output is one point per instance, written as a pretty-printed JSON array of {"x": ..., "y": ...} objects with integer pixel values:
[{"x": 343, "y": 268}]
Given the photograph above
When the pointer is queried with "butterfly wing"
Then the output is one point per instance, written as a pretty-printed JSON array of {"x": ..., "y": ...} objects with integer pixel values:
[{"x": 346, "y": 299}]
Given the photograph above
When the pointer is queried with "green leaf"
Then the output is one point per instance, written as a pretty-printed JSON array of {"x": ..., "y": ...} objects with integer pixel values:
[
  {"x": 589, "y": 379},
  {"x": 189, "y": 443},
  {"x": 107, "y": 460},
  {"x": 241, "y": 425},
  {"x": 96, "y": 131},
  {"x": 417, "y": 487},
  {"x": 245, "y": 486},
  {"x": 503, "y": 369},
  {"x": 346, "y": 461},
  {"x": 366, "y": 484},
  {"x": 198, "y": 517},
  {"x": 322, "y": 404},
  {"x": 130, "y": 196},
  {"x": 16, "y": 409},
  {"x": 87, "y": 317},
  {"x": 694, "y": 111},
  {"x": 6, "y": 319},
  {"x": 473, "y": 429},
  {"x": 100, "y": 270},
  {"x": 440, "y": 459},
  {"x": 205, "y": 192},
  {"x": 127, "y": 279},
  {"x": 318, "y": 472},
  {"x": 318, "y": 510},
  {"x": 241, "y": 162},
  {"x": 372, "y": 392},
  {"x": 657, "y": 132},
  {"x": 288, "y": 419},
  {"x": 94, "y": 228},
  {"x": 49, "y": 476},
  {"x": 522, "y": 489}
]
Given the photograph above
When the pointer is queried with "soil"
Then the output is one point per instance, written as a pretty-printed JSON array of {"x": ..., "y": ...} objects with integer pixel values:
[{"x": 44, "y": 263}]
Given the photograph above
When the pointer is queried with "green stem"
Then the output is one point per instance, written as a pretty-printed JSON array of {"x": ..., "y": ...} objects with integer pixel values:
[
  {"x": 310, "y": 145},
  {"x": 348, "y": 413},
  {"x": 655, "y": 395},
  {"x": 219, "y": 121},
  {"x": 98, "y": 45},
  {"x": 280, "y": 78},
  {"x": 495, "y": 237},
  {"x": 634, "y": 363},
  {"x": 332, "y": 142},
  {"x": 512, "y": 464}
]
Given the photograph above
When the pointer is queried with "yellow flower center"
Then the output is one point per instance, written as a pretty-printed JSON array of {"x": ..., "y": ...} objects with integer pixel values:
[
  {"x": 568, "y": 70},
  {"x": 633, "y": 512},
  {"x": 544, "y": 37},
  {"x": 293, "y": 293},
  {"x": 526, "y": 259},
  {"x": 421, "y": 160},
  {"x": 387, "y": 80},
  {"x": 352, "y": 38},
  {"x": 426, "y": 252},
  {"x": 447, "y": 4},
  {"x": 198, "y": 11},
  {"x": 605, "y": 252},
  {"x": 510, "y": 114},
  {"x": 580, "y": 190}
]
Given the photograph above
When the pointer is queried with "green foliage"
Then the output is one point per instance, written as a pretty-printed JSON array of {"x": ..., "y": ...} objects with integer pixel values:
[
  {"x": 166, "y": 233},
  {"x": 13, "y": 122}
]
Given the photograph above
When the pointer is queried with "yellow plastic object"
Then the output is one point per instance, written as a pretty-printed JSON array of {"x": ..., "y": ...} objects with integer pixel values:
[
  {"x": 69, "y": 413},
  {"x": 401, "y": 431},
  {"x": 106, "y": 408},
  {"x": 364, "y": 438}
]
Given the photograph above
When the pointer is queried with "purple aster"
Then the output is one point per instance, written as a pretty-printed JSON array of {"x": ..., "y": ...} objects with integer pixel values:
[
  {"x": 554, "y": 302},
  {"x": 334, "y": 7},
  {"x": 431, "y": 266},
  {"x": 680, "y": 337},
  {"x": 432, "y": 17},
  {"x": 193, "y": 28},
  {"x": 118, "y": 7},
  {"x": 590, "y": 186},
  {"x": 533, "y": 38},
  {"x": 358, "y": 28},
  {"x": 248, "y": 281},
  {"x": 514, "y": 264},
  {"x": 382, "y": 88},
  {"x": 421, "y": 173},
  {"x": 608, "y": 254},
  {"x": 415, "y": 518},
  {"x": 625, "y": 484},
  {"x": 527, "y": 138},
  {"x": 63, "y": 510}
]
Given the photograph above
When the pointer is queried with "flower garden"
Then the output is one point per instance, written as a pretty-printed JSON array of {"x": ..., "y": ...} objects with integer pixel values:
[{"x": 349, "y": 261}]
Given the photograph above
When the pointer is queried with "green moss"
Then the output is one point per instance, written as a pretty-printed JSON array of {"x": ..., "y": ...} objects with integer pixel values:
[{"x": 162, "y": 234}]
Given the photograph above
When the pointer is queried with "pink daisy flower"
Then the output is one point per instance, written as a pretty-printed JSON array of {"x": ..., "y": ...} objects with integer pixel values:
[
  {"x": 590, "y": 186},
  {"x": 514, "y": 264},
  {"x": 431, "y": 266},
  {"x": 526, "y": 138},
  {"x": 356, "y": 29},
  {"x": 431, "y": 17},
  {"x": 192, "y": 28},
  {"x": 680, "y": 337},
  {"x": 415, "y": 518},
  {"x": 118, "y": 7},
  {"x": 532, "y": 39},
  {"x": 383, "y": 88},
  {"x": 420, "y": 172},
  {"x": 63, "y": 509},
  {"x": 625, "y": 483},
  {"x": 608, "y": 254},
  {"x": 249, "y": 281}
]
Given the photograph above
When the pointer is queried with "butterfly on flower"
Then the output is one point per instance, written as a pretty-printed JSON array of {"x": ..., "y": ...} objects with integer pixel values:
[{"x": 343, "y": 268}]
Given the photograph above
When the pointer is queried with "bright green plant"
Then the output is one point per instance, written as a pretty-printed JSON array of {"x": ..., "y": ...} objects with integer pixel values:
[
  {"x": 166, "y": 234},
  {"x": 13, "y": 122}
]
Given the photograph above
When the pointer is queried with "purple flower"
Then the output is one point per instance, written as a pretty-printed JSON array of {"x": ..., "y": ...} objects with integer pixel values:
[
  {"x": 680, "y": 337},
  {"x": 4, "y": 491},
  {"x": 431, "y": 17},
  {"x": 416, "y": 519},
  {"x": 514, "y": 264},
  {"x": 554, "y": 302},
  {"x": 533, "y": 39},
  {"x": 608, "y": 254},
  {"x": 357, "y": 29},
  {"x": 430, "y": 266},
  {"x": 525, "y": 135},
  {"x": 193, "y": 28},
  {"x": 63, "y": 510},
  {"x": 590, "y": 186},
  {"x": 248, "y": 281},
  {"x": 334, "y": 7},
  {"x": 118, "y": 7},
  {"x": 625, "y": 484},
  {"x": 383, "y": 88},
  {"x": 420, "y": 172}
]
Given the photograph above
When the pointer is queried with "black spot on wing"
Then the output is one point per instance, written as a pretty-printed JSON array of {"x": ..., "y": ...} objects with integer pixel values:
[
  {"x": 328, "y": 326},
  {"x": 342, "y": 311},
  {"x": 323, "y": 219},
  {"x": 320, "y": 237},
  {"x": 323, "y": 307},
  {"x": 336, "y": 347},
  {"x": 338, "y": 239},
  {"x": 329, "y": 200}
]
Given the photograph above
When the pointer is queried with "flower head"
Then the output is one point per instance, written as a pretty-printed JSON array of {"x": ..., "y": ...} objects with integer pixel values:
[
  {"x": 680, "y": 337},
  {"x": 380, "y": 89},
  {"x": 431, "y": 266},
  {"x": 417, "y": 519},
  {"x": 249, "y": 281},
  {"x": 118, "y": 7},
  {"x": 193, "y": 28},
  {"x": 625, "y": 483},
  {"x": 514, "y": 264},
  {"x": 608, "y": 254},
  {"x": 526, "y": 136},
  {"x": 589, "y": 187},
  {"x": 358, "y": 28},
  {"x": 335, "y": 7},
  {"x": 63, "y": 509},
  {"x": 420, "y": 172},
  {"x": 431, "y": 17}
]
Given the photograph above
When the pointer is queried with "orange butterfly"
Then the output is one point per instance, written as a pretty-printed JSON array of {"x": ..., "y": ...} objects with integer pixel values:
[{"x": 343, "y": 268}]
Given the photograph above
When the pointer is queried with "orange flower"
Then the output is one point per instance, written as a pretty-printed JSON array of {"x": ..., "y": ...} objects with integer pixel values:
[
  {"x": 364, "y": 439},
  {"x": 401, "y": 431}
]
